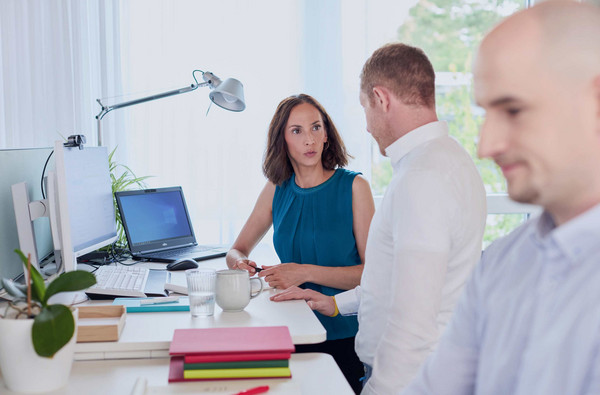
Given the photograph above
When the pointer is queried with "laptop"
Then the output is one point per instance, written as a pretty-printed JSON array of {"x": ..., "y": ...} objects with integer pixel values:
[{"x": 158, "y": 226}]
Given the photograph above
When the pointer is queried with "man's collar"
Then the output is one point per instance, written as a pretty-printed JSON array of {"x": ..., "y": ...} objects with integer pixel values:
[
  {"x": 575, "y": 237},
  {"x": 399, "y": 148}
]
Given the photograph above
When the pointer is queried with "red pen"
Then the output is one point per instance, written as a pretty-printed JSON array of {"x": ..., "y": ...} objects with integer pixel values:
[{"x": 255, "y": 390}]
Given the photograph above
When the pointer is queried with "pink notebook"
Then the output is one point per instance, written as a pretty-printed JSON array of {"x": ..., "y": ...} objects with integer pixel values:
[{"x": 240, "y": 340}]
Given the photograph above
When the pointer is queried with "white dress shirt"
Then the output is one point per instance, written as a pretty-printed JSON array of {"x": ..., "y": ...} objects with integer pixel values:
[{"x": 423, "y": 242}]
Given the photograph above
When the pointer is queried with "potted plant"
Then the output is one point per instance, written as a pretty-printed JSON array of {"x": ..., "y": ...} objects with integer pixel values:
[{"x": 37, "y": 339}]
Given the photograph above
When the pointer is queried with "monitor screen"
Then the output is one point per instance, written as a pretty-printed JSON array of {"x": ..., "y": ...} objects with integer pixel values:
[
  {"x": 84, "y": 201},
  {"x": 155, "y": 216}
]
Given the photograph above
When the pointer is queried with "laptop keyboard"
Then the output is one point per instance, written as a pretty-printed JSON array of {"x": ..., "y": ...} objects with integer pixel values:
[
  {"x": 181, "y": 251},
  {"x": 120, "y": 281}
]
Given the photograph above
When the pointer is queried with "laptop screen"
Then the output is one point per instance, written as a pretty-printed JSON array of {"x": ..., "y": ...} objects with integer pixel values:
[{"x": 155, "y": 218}]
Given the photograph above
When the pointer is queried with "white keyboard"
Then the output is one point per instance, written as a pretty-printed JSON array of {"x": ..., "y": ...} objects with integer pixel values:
[{"x": 120, "y": 281}]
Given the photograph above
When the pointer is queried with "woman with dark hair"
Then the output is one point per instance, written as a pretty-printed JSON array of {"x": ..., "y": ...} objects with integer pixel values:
[{"x": 320, "y": 214}]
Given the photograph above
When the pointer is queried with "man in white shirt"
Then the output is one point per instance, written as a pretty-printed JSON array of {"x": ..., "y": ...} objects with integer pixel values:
[{"x": 425, "y": 237}]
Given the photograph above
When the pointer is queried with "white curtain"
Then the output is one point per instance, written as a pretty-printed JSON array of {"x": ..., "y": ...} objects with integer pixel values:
[{"x": 56, "y": 58}]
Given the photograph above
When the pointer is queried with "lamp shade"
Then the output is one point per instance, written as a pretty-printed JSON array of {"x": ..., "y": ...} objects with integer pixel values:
[{"x": 229, "y": 95}]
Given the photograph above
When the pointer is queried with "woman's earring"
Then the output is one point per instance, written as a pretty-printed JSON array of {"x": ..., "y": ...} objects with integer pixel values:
[{"x": 326, "y": 145}]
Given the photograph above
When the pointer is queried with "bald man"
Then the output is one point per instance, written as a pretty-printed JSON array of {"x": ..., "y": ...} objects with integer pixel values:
[{"x": 528, "y": 321}]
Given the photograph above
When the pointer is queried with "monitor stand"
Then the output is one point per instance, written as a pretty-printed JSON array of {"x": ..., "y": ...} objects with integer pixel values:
[{"x": 49, "y": 270}]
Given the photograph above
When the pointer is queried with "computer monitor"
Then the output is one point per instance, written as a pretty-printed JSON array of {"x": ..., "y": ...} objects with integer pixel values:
[
  {"x": 79, "y": 205},
  {"x": 85, "y": 211},
  {"x": 22, "y": 166}
]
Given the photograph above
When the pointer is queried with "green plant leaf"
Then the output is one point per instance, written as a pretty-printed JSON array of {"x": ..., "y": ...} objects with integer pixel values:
[
  {"x": 110, "y": 156},
  {"x": 38, "y": 288},
  {"x": 13, "y": 288},
  {"x": 52, "y": 329},
  {"x": 70, "y": 281}
]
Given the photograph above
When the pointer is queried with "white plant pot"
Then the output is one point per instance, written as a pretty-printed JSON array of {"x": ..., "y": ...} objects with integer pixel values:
[{"x": 25, "y": 371}]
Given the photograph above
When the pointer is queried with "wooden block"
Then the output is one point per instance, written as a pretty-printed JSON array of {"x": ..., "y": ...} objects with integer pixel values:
[{"x": 100, "y": 323}]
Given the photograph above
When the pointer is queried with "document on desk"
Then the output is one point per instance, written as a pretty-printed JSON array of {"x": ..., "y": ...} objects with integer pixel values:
[
  {"x": 138, "y": 305},
  {"x": 223, "y": 387}
]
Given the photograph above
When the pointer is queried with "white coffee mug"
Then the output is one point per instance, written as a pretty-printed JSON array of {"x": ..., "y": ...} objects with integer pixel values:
[{"x": 234, "y": 290}]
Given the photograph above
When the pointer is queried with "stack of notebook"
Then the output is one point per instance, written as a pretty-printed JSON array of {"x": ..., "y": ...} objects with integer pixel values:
[{"x": 230, "y": 353}]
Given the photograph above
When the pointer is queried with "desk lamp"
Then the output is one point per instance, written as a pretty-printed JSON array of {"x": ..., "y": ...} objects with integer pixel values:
[{"x": 228, "y": 94}]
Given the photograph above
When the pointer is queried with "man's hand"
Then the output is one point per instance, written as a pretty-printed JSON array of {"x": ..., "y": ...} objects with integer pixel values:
[
  {"x": 285, "y": 275},
  {"x": 245, "y": 264},
  {"x": 317, "y": 301}
]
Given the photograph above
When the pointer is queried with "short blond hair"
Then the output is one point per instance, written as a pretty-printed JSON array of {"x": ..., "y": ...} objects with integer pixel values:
[{"x": 404, "y": 70}]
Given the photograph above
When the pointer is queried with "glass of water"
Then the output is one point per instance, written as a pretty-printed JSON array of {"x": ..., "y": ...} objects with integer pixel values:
[{"x": 201, "y": 291}]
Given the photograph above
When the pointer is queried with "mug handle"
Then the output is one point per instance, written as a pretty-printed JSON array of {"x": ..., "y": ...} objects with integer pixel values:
[{"x": 254, "y": 295}]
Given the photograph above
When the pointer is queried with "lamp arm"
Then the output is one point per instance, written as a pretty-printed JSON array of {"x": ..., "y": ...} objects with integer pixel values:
[
  {"x": 210, "y": 80},
  {"x": 106, "y": 109}
]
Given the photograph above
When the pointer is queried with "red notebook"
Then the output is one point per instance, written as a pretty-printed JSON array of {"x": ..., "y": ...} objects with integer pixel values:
[
  {"x": 236, "y": 357},
  {"x": 227, "y": 341}
]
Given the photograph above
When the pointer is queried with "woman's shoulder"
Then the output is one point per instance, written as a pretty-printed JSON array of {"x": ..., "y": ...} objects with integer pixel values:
[
  {"x": 349, "y": 177},
  {"x": 353, "y": 180},
  {"x": 347, "y": 173}
]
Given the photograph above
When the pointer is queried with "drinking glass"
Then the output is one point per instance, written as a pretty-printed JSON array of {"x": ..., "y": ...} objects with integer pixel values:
[{"x": 201, "y": 291}]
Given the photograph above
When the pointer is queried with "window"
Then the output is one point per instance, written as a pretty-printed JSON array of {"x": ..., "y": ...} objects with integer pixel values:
[{"x": 449, "y": 32}]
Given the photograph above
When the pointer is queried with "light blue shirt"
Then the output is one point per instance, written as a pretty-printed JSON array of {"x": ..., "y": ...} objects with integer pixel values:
[{"x": 528, "y": 321}]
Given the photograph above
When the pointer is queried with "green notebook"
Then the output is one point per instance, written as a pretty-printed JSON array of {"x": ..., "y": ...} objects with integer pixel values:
[
  {"x": 275, "y": 363},
  {"x": 236, "y": 373}
]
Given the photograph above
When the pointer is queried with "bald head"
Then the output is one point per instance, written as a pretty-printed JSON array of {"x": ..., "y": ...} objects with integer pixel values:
[
  {"x": 562, "y": 36},
  {"x": 537, "y": 75}
]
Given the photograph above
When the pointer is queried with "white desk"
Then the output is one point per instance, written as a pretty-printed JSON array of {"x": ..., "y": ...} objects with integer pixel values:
[
  {"x": 311, "y": 374},
  {"x": 148, "y": 335}
]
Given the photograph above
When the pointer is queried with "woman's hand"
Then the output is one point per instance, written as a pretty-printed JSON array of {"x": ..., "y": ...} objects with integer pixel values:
[
  {"x": 285, "y": 275},
  {"x": 245, "y": 264},
  {"x": 317, "y": 301}
]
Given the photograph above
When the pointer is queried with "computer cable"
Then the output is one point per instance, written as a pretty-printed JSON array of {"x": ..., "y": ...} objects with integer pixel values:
[
  {"x": 43, "y": 173},
  {"x": 118, "y": 258}
]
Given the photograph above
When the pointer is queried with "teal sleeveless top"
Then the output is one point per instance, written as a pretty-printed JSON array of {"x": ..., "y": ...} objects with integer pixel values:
[{"x": 314, "y": 226}]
